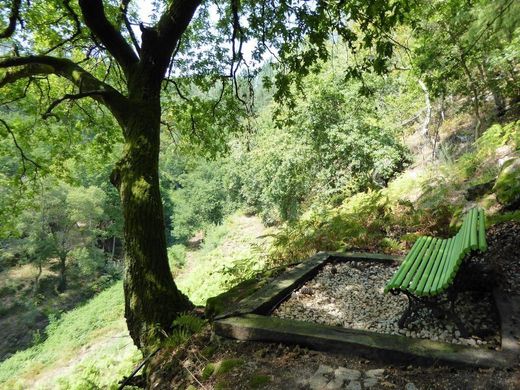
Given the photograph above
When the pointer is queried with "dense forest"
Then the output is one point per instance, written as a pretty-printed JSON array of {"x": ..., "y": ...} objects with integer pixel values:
[{"x": 156, "y": 155}]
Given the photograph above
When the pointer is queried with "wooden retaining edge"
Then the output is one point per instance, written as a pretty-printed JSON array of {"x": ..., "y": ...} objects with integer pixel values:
[
  {"x": 244, "y": 323},
  {"x": 364, "y": 256},
  {"x": 279, "y": 288},
  {"x": 253, "y": 327},
  {"x": 268, "y": 297}
]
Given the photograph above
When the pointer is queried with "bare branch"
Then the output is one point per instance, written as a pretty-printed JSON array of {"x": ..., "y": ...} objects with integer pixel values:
[
  {"x": 96, "y": 20},
  {"x": 13, "y": 17},
  {"x": 178, "y": 90}
]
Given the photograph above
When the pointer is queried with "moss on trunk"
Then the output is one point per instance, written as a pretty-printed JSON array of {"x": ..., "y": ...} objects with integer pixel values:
[{"x": 151, "y": 297}]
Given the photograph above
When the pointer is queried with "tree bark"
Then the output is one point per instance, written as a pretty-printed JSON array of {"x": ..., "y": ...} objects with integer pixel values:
[
  {"x": 62, "y": 283},
  {"x": 151, "y": 297},
  {"x": 37, "y": 279}
]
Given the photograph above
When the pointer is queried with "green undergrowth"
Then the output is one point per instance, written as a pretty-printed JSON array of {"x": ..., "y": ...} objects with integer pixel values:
[
  {"x": 86, "y": 348},
  {"x": 89, "y": 347},
  {"x": 230, "y": 253},
  {"x": 425, "y": 199}
]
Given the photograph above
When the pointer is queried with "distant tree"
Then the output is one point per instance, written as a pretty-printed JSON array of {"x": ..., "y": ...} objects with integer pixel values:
[
  {"x": 470, "y": 48},
  {"x": 62, "y": 223},
  {"x": 194, "y": 49}
]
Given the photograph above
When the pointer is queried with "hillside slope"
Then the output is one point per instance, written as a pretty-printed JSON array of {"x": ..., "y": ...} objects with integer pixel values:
[{"x": 89, "y": 347}]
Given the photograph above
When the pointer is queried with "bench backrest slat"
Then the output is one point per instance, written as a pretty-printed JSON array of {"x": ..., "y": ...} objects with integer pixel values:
[{"x": 474, "y": 230}]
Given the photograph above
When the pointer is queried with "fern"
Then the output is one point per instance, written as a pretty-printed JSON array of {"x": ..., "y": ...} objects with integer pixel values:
[
  {"x": 184, "y": 327},
  {"x": 189, "y": 322}
]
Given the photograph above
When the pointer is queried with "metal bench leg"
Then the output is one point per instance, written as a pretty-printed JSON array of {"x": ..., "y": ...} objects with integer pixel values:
[{"x": 410, "y": 310}]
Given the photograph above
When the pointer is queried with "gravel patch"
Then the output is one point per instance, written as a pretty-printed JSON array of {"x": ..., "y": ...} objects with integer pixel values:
[{"x": 350, "y": 295}]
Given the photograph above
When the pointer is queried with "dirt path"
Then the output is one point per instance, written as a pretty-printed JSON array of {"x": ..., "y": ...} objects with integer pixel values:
[{"x": 250, "y": 228}]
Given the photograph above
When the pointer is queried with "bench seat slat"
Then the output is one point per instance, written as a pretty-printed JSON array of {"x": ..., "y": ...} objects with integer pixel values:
[
  {"x": 416, "y": 263},
  {"x": 432, "y": 264},
  {"x": 405, "y": 266},
  {"x": 436, "y": 264},
  {"x": 418, "y": 287}
]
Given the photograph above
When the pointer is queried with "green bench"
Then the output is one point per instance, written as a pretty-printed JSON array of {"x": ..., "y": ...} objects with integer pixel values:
[{"x": 431, "y": 267}]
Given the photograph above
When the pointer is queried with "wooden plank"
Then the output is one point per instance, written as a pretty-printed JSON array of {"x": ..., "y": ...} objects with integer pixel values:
[
  {"x": 363, "y": 256},
  {"x": 456, "y": 253},
  {"x": 467, "y": 233},
  {"x": 351, "y": 341},
  {"x": 439, "y": 277},
  {"x": 474, "y": 228},
  {"x": 274, "y": 292},
  {"x": 482, "y": 244},
  {"x": 427, "y": 274}
]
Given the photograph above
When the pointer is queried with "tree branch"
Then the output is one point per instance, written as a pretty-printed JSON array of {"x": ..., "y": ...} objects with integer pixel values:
[
  {"x": 13, "y": 17},
  {"x": 96, "y": 20},
  {"x": 69, "y": 96},
  {"x": 20, "y": 150},
  {"x": 124, "y": 15},
  {"x": 170, "y": 28},
  {"x": 86, "y": 83}
]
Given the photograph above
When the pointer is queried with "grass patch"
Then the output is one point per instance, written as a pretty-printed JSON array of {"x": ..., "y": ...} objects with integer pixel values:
[
  {"x": 78, "y": 348},
  {"x": 220, "y": 368},
  {"x": 89, "y": 347},
  {"x": 258, "y": 381},
  {"x": 229, "y": 254}
]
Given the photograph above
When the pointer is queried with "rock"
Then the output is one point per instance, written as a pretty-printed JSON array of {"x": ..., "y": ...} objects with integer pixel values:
[
  {"x": 471, "y": 342},
  {"x": 324, "y": 369},
  {"x": 479, "y": 190},
  {"x": 334, "y": 384},
  {"x": 369, "y": 382},
  {"x": 354, "y": 385},
  {"x": 457, "y": 334},
  {"x": 317, "y": 382},
  {"x": 347, "y": 374},
  {"x": 410, "y": 386},
  {"x": 377, "y": 373},
  {"x": 507, "y": 186},
  {"x": 307, "y": 290}
]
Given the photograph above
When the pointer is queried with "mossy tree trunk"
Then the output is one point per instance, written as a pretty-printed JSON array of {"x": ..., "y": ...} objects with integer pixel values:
[{"x": 151, "y": 296}]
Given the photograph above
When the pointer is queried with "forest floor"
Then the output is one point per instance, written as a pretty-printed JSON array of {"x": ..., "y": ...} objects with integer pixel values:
[{"x": 210, "y": 362}]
